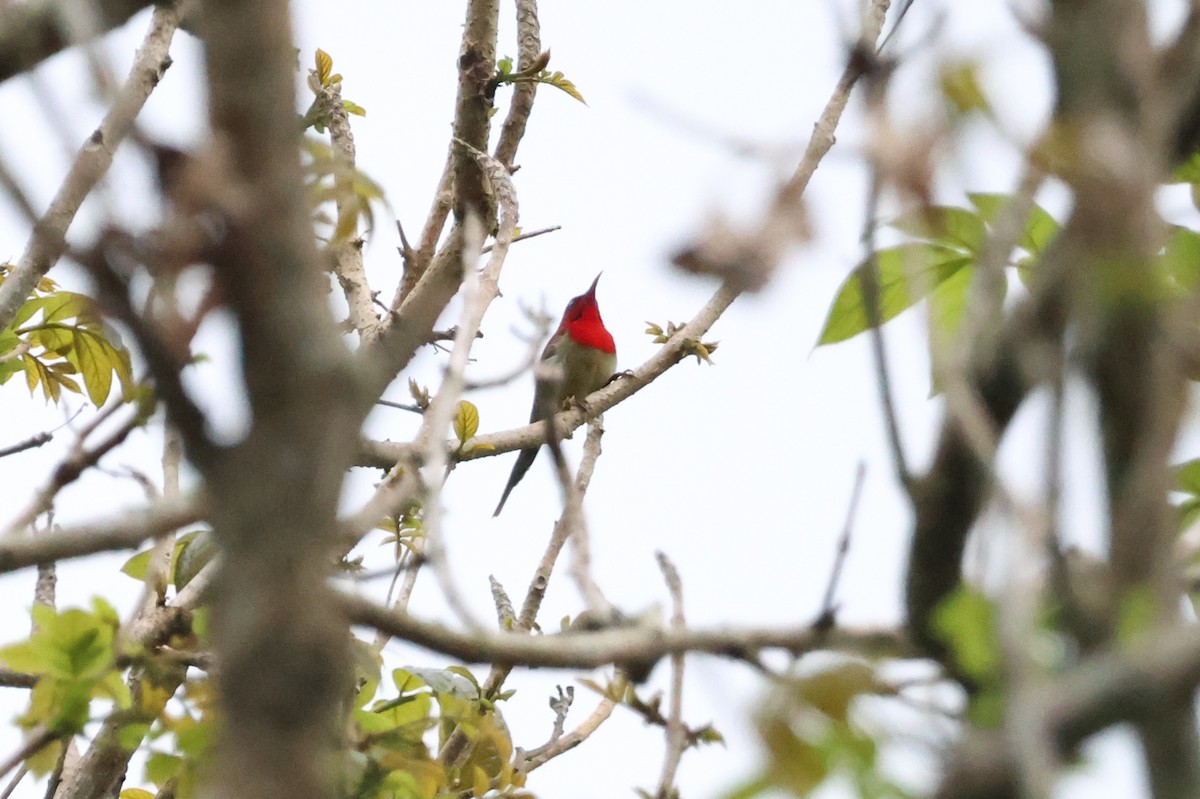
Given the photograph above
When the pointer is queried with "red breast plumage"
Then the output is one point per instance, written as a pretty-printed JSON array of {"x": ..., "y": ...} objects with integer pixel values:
[{"x": 584, "y": 349}]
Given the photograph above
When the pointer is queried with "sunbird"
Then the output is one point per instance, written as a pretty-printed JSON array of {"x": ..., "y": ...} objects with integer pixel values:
[{"x": 584, "y": 349}]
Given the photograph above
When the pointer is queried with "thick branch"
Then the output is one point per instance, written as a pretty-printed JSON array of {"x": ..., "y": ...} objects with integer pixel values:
[{"x": 273, "y": 497}]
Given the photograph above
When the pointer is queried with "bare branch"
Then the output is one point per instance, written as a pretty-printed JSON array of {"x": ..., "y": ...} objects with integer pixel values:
[
  {"x": 38, "y": 739},
  {"x": 30, "y": 443},
  {"x": 529, "y": 48},
  {"x": 565, "y": 743},
  {"x": 630, "y": 645},
  {"x": 79, "y": 460}
]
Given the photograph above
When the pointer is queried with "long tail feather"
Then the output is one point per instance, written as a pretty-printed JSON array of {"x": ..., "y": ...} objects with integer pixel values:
[{"x": 524, "y": 461}]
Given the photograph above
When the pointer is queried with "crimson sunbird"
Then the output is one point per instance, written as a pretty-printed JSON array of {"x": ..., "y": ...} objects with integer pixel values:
[{"x": 584, "y": 349}]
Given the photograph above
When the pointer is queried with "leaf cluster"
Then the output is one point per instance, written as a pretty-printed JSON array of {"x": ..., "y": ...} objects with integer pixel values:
[{"x": 58, "y": 340}]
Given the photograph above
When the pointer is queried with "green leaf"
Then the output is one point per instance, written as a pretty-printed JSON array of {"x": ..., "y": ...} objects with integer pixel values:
[
  {"x": 28, "y": 309},
  {"x": 129, "y": 738},
  {"x": 1039, "y": 230},
  {"x": 138, "y": 566},
  {"x": 193, "y": 552},
  {"x": 64, "y": 305},
  {"x": 406, "y": 681},
  {"x": 966, "y": 621},
  {"x": 1136, "y": 615},
  {"x": 161, "y": 767},
  {"x": 949, "y": 300},
  {"x": 960, "y": 86},
  {"x": 76, "y": 645},
  {"x": 1187, "y": 476},
  {"x": 1188, "y": 171},
  {"x": 447, "y": 682},
  {"x": 1181, "y": 258},
  {"x": 136, "y": 793},
  {"x": 952, "y": 227},
  {"x": 1189, "y": 511},
  {"x": 465, "y": 673},
  {"x": 929, "y": 264}
]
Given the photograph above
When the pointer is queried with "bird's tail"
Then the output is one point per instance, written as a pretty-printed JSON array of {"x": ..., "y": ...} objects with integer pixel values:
[{"x": 524, "y": 461}]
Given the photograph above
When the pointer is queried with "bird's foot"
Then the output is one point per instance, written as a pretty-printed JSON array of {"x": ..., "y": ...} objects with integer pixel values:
[{"x": 622, "y": 375}]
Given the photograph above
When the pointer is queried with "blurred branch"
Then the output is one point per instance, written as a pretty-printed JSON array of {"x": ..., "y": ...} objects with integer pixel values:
[
  {"x": 1102, "y": 692},
  {"x": 676, "y": 729},
  {"x": 31, "y": 32},
  {"x": 77, "y": 461},
  {"x": 48, "y": 241},
  {"x": 125, "y": 531}
]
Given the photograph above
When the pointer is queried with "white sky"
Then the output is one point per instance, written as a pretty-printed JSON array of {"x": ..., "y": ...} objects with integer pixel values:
[{"x": 740, "y": 472}]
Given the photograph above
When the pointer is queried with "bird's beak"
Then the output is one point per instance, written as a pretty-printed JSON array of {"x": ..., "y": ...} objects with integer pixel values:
[{"x": 591, "y": 292}]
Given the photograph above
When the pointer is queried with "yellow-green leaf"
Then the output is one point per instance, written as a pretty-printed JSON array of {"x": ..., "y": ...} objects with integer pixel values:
[
  {"x": 466, "y": 421},
  {"x": 324, "y": 66},
  {"x": 136, "y": 793}
]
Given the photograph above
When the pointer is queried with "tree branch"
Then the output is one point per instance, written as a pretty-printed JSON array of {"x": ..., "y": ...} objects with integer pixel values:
[
  {"x": 123, "y": 532},
  {"x": 640, "y": 646}
]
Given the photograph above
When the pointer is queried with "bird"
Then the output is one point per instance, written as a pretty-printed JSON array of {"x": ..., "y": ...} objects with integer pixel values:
[{"x": 587, "y": 355}]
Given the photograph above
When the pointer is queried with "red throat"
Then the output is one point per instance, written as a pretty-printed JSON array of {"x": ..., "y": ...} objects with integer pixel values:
[{"x": 589, "y": 331}]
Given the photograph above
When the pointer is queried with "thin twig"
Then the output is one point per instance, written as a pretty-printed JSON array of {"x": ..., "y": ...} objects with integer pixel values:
[
  {"x": 79, "y": 460},
  {"x": 38, "y": 739},
  {"x": 827, "y": 617},
  {"x": 676, "y": 731},
  {"x": 417, "y": 409},
  {"x": 17, "y": 679},
  {"x": 530, "y": 235},
  {"x": 16, "y": 780},
  {"x": 565, "y": 743},
  {"x": 30, "y": 443},
  {"x": 577, "y": 529}
]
